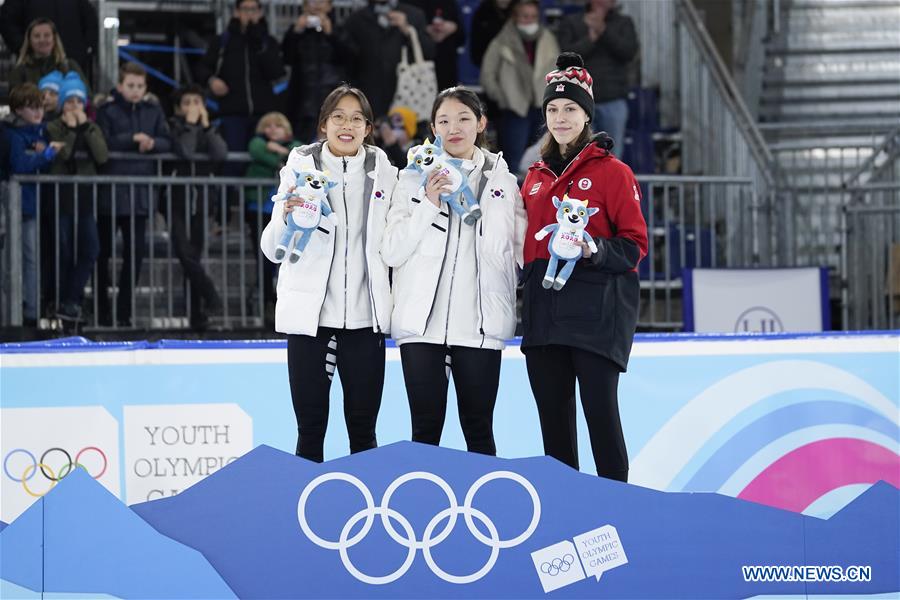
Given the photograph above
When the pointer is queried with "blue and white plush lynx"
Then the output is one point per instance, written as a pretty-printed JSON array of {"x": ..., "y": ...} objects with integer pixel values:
[
  {"x": 312, "y": 189},
  {"x": 430, "y": 157},
  {"x": 571, "y": 219}
]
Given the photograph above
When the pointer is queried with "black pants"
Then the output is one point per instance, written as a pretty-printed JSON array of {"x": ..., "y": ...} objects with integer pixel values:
[
  {"x": 127, "y": 278},
  {"x": 188, "y": 239},
  {"x": 552, "y": 371},
  {"x": 358, "y": 356},
  {"x": 476, "y": 376}
]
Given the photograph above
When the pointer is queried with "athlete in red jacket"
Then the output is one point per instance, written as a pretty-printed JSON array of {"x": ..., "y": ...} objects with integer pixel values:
[{"x": 584, "y": 330}]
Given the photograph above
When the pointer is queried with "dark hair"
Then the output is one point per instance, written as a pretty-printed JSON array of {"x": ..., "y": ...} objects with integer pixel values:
[
  {"x": 467, "y": 97},
  {"x": 516, "y": 4},
  {"x": 192, "y": 89},
  {"x": 238, "y": 3},
  {"x": 25, "y": 95},
  {"x": 550, "y": 148},
  {"x": 131, "y": 68},
  {"x": 331, "y": 101}
]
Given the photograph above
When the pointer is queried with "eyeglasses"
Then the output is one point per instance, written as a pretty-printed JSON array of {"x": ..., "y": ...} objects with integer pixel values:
[{"x": 341, "y": 119}]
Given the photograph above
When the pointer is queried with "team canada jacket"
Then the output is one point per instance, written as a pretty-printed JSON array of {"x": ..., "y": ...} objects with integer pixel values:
[{"x": 598, "y": 307}]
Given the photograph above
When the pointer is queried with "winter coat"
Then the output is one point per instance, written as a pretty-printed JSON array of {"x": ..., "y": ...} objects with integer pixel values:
[
  {"x": 507, "y": 76},
  {"x": 607, "y": 58},
  {"x": 120, "y": 120},
  {"x": 375, "y": 53},
  {"x": 33, "y": 72},
  {"x": 86, "y": 138},
  {"x": 76, "y": 21},
  {"x": 317, "y": 67},
  {"x": 487, "y": 21},
  {"x": 416, "y": 245},
  {"x": 25, "y": 160},
  {"x": 302, "y": 286},
  {"x": 249, "y": 62},
  {"x": 597, "y": 308}
]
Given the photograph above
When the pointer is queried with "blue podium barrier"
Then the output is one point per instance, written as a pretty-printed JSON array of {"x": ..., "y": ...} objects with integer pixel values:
[{"x": 413, "y": 521}]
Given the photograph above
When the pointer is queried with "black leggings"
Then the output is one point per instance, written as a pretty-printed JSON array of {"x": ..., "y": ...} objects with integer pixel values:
[
  {"x": 358, "y": 355},
  {"x": 552, "y": 371},
  {"x": 476, "y": 376}
]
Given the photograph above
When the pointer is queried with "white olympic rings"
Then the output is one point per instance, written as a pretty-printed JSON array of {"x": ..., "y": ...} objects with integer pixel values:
[{"x": 429, "y": 538}]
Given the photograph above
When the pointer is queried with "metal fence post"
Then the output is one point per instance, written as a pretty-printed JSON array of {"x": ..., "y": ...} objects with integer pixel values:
[{"x": 14, "y": 253}]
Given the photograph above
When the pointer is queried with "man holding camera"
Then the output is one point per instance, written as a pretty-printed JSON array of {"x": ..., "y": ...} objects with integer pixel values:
[{"x": 316, "y": 54}]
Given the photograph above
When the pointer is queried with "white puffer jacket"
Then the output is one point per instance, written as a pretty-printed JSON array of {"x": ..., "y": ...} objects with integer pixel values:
[
  {"x": 302, "y": 285},
  {"x": 416, "y": 241}
]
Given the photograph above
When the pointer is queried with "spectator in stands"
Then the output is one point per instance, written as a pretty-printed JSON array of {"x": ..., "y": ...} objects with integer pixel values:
[
  {"x": 445, "y": 29},
  {"x": 269, "y": 150},
  {"x": 513, "y": 76},
  {"x": 41, "y": 52},
  {"x": 79, "y": 136},
  {"x": 241, "y": 67},
  {"x": 31, "y": 152},
  {"x": 49, "y": 85},
  {"x": 608, "y": 42},
  {"x": 76, "y": 20},
  {"x": 397, "y": 133},
  {"x": 130, "y": 124},
  {"x": 488, "y": 20},
  {"x": 375, "y": 35},
  {"x": 193, "y": 135},
  {"x": 336, "y": 312},
  {"x": 314, "y": 50}
]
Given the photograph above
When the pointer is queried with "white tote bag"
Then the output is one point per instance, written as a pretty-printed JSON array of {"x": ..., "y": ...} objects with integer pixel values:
[{"x": 416, "y": 81}]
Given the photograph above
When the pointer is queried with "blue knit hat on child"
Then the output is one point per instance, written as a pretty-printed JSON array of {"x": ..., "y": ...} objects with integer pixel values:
[
  {"x": 51, "y": 81},
  {"x": 72, "y": 86}
]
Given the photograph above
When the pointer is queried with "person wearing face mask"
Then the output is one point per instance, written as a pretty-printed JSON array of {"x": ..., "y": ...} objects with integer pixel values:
[
  {"x": 334, "y": 303},
  {"x": 512, "y": 75},
  {"x": 583, "y": 329},
  {"x": 455, "y": 284},
  {"x": 375, "y": 36}
]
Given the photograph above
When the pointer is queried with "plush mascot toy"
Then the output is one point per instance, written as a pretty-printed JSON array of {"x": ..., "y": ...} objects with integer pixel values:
[
  {"x": 430, "y": 157},
  {"x": 312, "y": 190},
  {"x": 565, "y": 235}
]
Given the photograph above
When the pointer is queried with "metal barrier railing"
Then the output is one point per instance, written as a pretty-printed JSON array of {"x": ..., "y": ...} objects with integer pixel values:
[
  {"x": 870, "y": 258},
  {"x": 199, "y": 236},
  {"x": 694, "y": 222}
]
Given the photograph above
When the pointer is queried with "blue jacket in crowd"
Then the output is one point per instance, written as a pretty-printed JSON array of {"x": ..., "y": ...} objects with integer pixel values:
[
  {"x": 120, "y": 120},
  {"x": 25, "y": 160}
]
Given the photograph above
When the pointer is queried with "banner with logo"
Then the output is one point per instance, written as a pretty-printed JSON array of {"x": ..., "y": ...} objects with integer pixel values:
[
  {"x": 40, "y": 446},
  {"x": 756, "y": 300},
  {"x": 804, "y": 423}
]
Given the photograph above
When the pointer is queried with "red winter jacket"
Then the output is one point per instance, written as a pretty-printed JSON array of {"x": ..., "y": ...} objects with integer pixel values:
[
  {"x": 600, "y": 178},
  {"x": 597, "y": 308}
]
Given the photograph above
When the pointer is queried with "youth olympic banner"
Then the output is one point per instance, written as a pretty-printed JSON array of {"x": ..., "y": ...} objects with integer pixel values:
[{"x": 803, "y": 423}]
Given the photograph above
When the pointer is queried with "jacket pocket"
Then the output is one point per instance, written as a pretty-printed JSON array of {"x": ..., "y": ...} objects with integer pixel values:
[{"x": 584, "y": 297}]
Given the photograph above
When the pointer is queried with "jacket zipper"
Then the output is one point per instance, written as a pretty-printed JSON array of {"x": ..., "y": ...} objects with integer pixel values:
[
  {"x": 478, "y": 282},
  {"x": 452, "y": 275},
  {"x": 369, "y": 271},
  {"x": 247, "y": 79},
  {"x": 346, "y": 235}
]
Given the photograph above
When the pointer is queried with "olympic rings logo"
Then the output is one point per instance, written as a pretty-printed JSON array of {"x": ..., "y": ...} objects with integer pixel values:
[
  {"x": 558, "y": 565},
  {"x": 429, "y": 538},
  {"x": 47, "y": 471}
]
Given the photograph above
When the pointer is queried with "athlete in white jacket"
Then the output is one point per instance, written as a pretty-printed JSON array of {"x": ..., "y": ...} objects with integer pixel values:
[
  {"x": 454, "y": 285},
  {"x": 334, "y": 303}
]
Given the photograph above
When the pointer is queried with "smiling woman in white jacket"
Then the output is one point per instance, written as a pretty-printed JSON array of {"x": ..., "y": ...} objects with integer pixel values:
[
  {"x": 334, "y": 303},
  {"x": 454, "y": 285}
]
